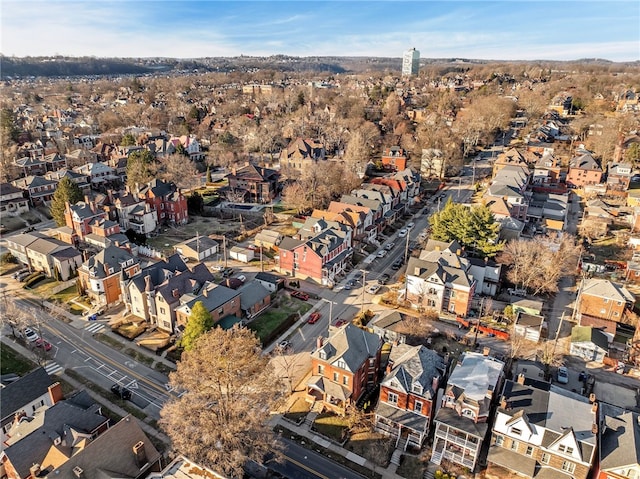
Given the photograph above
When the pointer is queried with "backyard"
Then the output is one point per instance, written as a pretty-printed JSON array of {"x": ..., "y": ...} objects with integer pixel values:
[{"x": 273, "y": 317}]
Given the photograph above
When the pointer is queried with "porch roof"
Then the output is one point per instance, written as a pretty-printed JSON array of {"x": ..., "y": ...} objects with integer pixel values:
[
  {"x": 512, "y": 460},
  {"x": 408, "y": 419},
  {"x": 329, "y": 388}
]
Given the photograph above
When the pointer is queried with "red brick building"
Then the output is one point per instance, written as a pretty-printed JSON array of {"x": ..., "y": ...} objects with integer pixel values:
[
  {"x": 394, "y": 158},
  {"x": 583, "y": 170},
  {"x": 167, "y": 200}
]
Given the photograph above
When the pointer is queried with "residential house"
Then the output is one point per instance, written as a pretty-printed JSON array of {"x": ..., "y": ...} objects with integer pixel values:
[
  {"x": 487, "y": 275},
  {"x": 408, "y": 394},
  {"x": 267, "y": 238},
  {"x": 39, "y": 189},
  {"x": 31, "y": 165},
  {"x": 618, "y": 444},
  {"x": 321, "y": 251},
  {"x": 619, "y": 176},
  {"x": 360, "y": 217},
  {"x": 462, "y": 422},
  {"x": 75, "y": 177},
  {"x": 167, "y": 200},
  {"x": 130, "y": 453},
  {"x": 79, "y": 217},
  {"x": 543, "y": 431},
  {"x": 440, "y": 280},
  {"x": 388, "y": 325},
  {"x": 222, "y": 303},
  {"x": 394, "y": 158},
  {"x": 12, "y": 201},
  {"x": 98, "y": 173},
  {"x": 48, "y": 437},
  {"x": 54, "y": 258},
  {"x": 344, "y": 367},
  {"x": 410, "y": 182},
  {"x": 510, "y": 157},
  {"x": 510, "y": 184},
  {"x": 105, "y": 232},
  {"x": 190, "y": 145},
  {"x": 375, "y": 207},
  {"x": 253, "y": 184},
  {"x": 32, "y": 391},
  {"x": 529, "y": 326},
  {"x": 547, "y": 170},
  {"x": 17, "y": 245},
  {"x": 183, "y": 468},
  {"x": 253, "y": 298},
  {"x": 583, "y": 170},
  {"x": 270, "y": 281},
  {"x": 197, "y": 248},
  {"x": 383, "y": 198},
  {"x": 603, "y": 303},
  {"x": 134, "y": 213},
  {"x": 589, "y": 343},
  {"x": 101, "y": 275},
  {"x": 548, "y": 210},
  {"x": 301, "y": 154}
]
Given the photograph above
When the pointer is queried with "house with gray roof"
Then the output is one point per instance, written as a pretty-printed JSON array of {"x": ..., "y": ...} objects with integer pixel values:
[
  {"x": 220, "y": 301},
  {"x": 198, "y": 248},
  {"x": 12, "y": 200},
  {"x": 462, "y": 422},
  {"x": 18, "y": 244},
  {"x": 39, "y": 189},
  {"x": 30, "y": 392},
  {"x": 408, "y": 394},
  {"x": 272, "y": 282},
  {"x": 388, "y": 325},
  {"x": 584, "y": 170},
  {"x": 253, "y": 298},
  {"x": 344, "y": 367},
  {"x": 53, "y": 257},
  {"x": 588, "y": 343},
  {"x": 543, "y": 431},
  {"x": 619, "y": 443}
]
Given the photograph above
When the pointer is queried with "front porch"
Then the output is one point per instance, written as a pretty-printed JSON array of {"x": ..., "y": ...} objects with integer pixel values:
[{"x": 333, "y": 396}]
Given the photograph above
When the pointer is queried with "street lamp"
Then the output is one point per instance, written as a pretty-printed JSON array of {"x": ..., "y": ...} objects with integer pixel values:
[{"x": 330, "y": 308}]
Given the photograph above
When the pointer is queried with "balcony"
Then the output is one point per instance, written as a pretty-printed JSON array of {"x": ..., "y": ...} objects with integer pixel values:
[
  {"x": 468, "y": 443},
  {"x": 458, "y": 458}
]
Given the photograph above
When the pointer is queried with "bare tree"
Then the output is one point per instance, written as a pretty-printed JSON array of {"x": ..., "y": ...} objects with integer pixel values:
[
  {"x": 179, "y": 170},
  {"x": 228, "y": 391},
  {"x": 296, "y": 196}
]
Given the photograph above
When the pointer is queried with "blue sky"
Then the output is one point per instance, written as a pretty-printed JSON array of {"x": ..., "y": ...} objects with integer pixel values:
[{"x": 504, "y": 30}]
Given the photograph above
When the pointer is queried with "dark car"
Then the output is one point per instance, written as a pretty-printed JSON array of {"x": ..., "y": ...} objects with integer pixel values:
[
  {"x": 340, "y": 322},
  {"x": 227, "y": 272},
  {"x": 397, "y": 264},
  {"x": 383, "y": 279},
  {"x": 121, "y": 392}
]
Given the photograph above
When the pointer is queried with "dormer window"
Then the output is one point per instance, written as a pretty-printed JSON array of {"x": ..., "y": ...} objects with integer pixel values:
[
  {"x": 323, "y": 354},
  {"x": 515, "y": 431},
  {"x": 342, "y": 364},
  {"x": 417, "y": 388}
]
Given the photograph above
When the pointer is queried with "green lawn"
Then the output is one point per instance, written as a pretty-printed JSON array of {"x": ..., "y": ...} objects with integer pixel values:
[
  {"x": 12, "y": 362},
  {"x": 331, "y": 426},
  {"x": 65, "y": 295},
  {"x": 274, "y": 316}
]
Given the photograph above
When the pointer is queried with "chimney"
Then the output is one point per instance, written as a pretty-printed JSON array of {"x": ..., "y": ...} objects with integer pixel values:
[
  {"x": 319, "y": 342},
  {"x": 55, "y": 393},
  {"x": 485, "y": 351},
  {"x": 520, "y": 379},
  {"x": 78, "y": 472},
  {"x": 35, "y": 470},
  {"x": 147, "y": 283},
  {"x": 139, "y": 454},
  {"x": 435, "y": 382},
  {"x": 86, "y": 199},
  {"x": 592, "y": 398},
  {"x": 233, "y": 171},
  {"x": 458, "y": 252},
  {"x": 176, "y": 294},
  {"x": 92, "y": 205},
  {"x": 18, "y": 416},
  {"x": 594, "y": 428},
  {"x": 389, "y": 367}
]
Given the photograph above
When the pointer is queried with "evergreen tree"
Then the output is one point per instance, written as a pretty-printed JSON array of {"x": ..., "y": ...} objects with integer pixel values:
[
  {"x": 69, "y": 191},
  {"x": 128, "y": 140},
  {"x": 139, "y": 166},
  {"x": 209, "y": 178},
  {"x": 200, "y": 321}
]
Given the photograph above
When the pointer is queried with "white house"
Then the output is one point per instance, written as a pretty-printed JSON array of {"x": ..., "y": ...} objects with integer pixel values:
[{"x": 243, "y": 255}]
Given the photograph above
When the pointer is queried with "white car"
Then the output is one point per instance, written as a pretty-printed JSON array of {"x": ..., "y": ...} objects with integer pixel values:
[
  {"x": 563, "y": 375},
  {"x": 382, "y": 253},
  {"x": 242, "y": 277},
  {"x": 410, "y": 225},
  {"x": 389, "y": 246},
  {"x": 402, "y": 233},
  {"x": 373, "y": 289},
  {"x": 219, "y": 268},
  {"x": 30, "y": 335}
]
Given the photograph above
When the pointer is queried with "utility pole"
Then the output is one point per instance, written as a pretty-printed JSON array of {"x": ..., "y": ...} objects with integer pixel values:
[
  {"x": 406, "y": 248},
  {"x": 224, "y": 250},
  {"x": 364, "y": 280},
  {"x": 555, "y": 341},
  {"x": 261, "y": 262}
]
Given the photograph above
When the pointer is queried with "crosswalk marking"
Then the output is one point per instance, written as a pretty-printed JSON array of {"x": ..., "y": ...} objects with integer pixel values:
[
  {"x": 53, "y": 368},
  {"x": 95, "y": 327}
]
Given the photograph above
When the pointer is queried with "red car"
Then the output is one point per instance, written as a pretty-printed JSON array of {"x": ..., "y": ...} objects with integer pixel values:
[
  {"x": 41, "y": 343},
  {"x": 341, "y": 322},
  {"x": 313, "y": 318},
  {"x": 300, "y": 295}
]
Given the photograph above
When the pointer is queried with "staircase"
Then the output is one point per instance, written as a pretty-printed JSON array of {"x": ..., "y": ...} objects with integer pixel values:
[
  {"x": 428, "y": 475},
  {"x": 396, "y": 457},
  {"x": 436, "y": 457},
  {"x": 401, "y": 443}
]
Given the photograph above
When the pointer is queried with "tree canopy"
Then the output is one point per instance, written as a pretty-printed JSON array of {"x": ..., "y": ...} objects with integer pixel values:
[
  {"x": 474, "y": 228},
  {"x": 69, "y": 191},
  {"x": 139, "y": 168},
  {"x": 200, "y": 321},
  {"x": 228, "y": 390}
]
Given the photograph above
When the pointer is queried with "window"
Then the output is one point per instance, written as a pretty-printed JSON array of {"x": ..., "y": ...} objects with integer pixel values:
[
  {"x": 545, "y": 458},
  {"x": 162, "y": 310},
  {"x": 342, "y": 364},
  {"x": 323, "y": 354},
  {"x": 468, "y": 413},
  {"x": 345, "y": 380},
  {"x": 529, "y": 451},
  {"x": 516, "y": 431},
  {"x": 568, "y": 466},
  {"x": 392, "y": 398},
  {"x": 417, "y": 406},
  {"x": 565, "y": 449},
  {"x": 335, "y": 377},
  {"x": 320, "y": 369},
  {"x": 514, "y": 445},
  {"x": 499, "y": 440},
  {"x": 417, "y": 388}
]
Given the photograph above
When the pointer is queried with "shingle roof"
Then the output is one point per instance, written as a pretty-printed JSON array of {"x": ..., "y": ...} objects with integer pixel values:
[
  {"x": 251, "y": 293},
  {"x": 621, "y": 428},
  {"x": 416, "y": 364},
  {"x": 26, "y": 389},
  {"x": 351, "y": 344},
  {"x": 606, "y": 289}
]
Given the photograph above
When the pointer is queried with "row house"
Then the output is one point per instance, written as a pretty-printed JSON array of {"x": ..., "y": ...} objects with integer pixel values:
[
  {"x": 603, "y": 304},
  {"x": 12, "y": 200},
  {"x": 544, "y": 431},
  {"x": 134, "y": 213},
  {"x": 105, "y": 232},
  {"x": 39, "y": 189},
  {"x": 510, "y": 157},
  {"x": 462, "y": 422},
  {"x": 321, "y": 251},
  {"x": 509, "y": 185},
  {"x": 584, "y": 170},
  {"x": 362, "y": 218},
  {"x": 440, "y": 280},
  {"x": 301, "y": 154},
  {"x": 375, "y": 206},
  {"x": 409, "y": 181},
  {"x": 97, "y": 173},
  {"x": 394, "y": 158},
  {"x": 77, "y": 178},
  {"x": 53, "y": 257},
  {"x": 167, "y": 200},
  {"x": 220, "y": 301},
  {"x": 155, "y": 293},
  {"x": 382, "y": 195},
  {"x": 618, "y": 444},
  {"x": 101, "y": 275},
  {"x": 619, "y": 176},
  {"x": 41, "y": 164},
  {"x": 408, "y": 394},
  {"x": 253, "y": 184},
  {"x": 547, "y": 170},
  {"x": 344, "y": 367},
  {"x": 79, "y": 217}
]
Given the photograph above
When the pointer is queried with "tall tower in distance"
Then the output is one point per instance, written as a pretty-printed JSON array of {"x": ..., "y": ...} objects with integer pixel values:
[{"x": 410, "y": 62}]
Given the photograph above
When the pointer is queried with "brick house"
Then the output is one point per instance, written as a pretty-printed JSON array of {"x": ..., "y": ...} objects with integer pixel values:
[
  {"x": 167, "y": 200},
  {"x": 220, "y": 301},
  {"x": 619, "y": 176},
  {"x": 102, "y": 274},
  {"x": 440, "y": 280},
  {"x": 394, "y": 158},
  {"x": 583, "y": 170},
  {"x": 543, "y": 431},
  {"x": 253, "y": 184},
  {"x": 603, "y": 303},
  {"x": 321, "y": 250},
  {"x": 39, "y": 189},
  {"x": 408, "y": 393},
  {"x": 462, "y": 422},
  {"x": 79, "y": 217},
  {"x": 343, "y": 367},
  {"x": 301, "y": 153}
]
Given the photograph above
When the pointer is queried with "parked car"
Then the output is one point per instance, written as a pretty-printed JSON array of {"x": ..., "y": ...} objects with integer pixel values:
[
  {"x": 121, "y": 392},
  {"x": 300, "y": 295},
  {"x": 22, "y": 276},
  {"x": 19, "y": 272},
  {"x": 41, "y": 343},
  {"x": 227, "y": 272},
  {"x": 382, "y": 253},
  {"x": 563, "y": 375},
  {"x": 389, "y": 246},
  {"x": 218, "y": 268},
  {"x": 340, "y": 322},
  {"x": 410, "y": 225},
  {"x": 397, "y": 264},
  {"x": 383, "y": 279},
  {"x": 284, "y": 345},
  {"x": 374, "y": 288},
  {"x": 313, "y": 318},
  {"x": 30, "y": 335},
  {"x": 403, "y": 232},
  {"x": 242, "y": 277}
]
